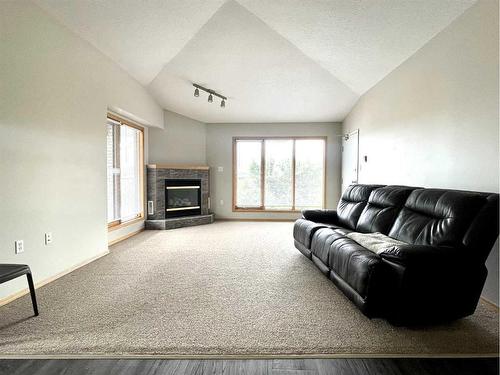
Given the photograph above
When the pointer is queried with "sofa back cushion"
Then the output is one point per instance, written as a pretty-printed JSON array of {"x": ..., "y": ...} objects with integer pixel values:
[
  {"x": 352, "y": 203},
  {"x": 437, "y": 217},
  {"x": 382, "y": 208}
]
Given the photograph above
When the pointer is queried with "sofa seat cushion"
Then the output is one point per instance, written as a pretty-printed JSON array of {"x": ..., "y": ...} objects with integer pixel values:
[
  {"x": 321, "y": 242},
  {"x": 303, "y": 230},
  {"x": 353, "y": 263}
]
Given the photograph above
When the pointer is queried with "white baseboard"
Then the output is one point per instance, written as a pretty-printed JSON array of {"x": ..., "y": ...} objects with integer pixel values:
[
  {"x": 493, "y": 304},
  {"x": 124, "y": 237},
  {"x": 16, "y": 295}
]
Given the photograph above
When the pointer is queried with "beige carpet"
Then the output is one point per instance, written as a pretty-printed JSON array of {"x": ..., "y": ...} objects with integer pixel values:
[{"x": 228, "y": 288}]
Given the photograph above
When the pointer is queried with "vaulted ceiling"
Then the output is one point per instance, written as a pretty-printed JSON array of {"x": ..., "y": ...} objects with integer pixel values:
[{"x": 276, "y": 60}]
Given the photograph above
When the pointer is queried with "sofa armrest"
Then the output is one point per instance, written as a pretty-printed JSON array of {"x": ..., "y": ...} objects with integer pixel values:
[
  {"x": 321, "y": 216},
  {"x": 429, "y": 284},
  {"x": 408, "y": 255}
]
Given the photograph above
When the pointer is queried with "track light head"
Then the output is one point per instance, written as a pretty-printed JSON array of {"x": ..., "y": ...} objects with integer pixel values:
[
  {"x": 223, "y": 103},
  {"x": 196, "y": 92},
  {"x": 210, "y": 98}
]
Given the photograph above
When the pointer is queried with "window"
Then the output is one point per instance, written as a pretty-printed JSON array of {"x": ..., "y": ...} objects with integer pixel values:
[
  {"x": 124, "y": 171},
  {"x": 249, "y": 173},
  {"x": 278, "y": 174}
]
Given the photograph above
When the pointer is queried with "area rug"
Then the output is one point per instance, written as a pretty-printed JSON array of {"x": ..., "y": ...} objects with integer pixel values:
[{"x": 229, "y": 288}]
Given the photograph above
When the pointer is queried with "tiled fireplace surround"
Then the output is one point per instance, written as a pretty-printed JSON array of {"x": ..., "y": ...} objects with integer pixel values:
[{"x": 156, "y": 176}]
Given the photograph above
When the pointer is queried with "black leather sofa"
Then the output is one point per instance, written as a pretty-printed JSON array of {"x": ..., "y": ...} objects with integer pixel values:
[{"x": 437, "y": 275}]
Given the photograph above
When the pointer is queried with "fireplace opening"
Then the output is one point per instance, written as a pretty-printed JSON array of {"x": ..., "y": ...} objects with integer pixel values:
[{"x": 182, "y": 197}]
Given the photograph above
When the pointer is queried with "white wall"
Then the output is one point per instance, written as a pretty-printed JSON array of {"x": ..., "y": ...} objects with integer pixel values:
[
  {"x": 219, "y": 154},
  {"x": 182, "y": 141},
  {"x": 433, "y": 121},
  {"x": 54, "y": 95}
]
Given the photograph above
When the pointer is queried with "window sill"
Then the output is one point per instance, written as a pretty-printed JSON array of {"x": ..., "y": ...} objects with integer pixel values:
[{"x": 126, "y": 223}]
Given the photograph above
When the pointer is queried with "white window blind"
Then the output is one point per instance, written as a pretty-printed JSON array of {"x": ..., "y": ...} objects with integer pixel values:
[{"x": 124, "y": 145}]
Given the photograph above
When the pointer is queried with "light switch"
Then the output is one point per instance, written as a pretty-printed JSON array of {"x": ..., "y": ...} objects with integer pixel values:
[{"x": 220, "y": 169}]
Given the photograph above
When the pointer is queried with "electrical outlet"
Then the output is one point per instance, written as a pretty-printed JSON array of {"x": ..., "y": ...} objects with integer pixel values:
[
  {"x": 222, "y": 202},
  {"x": 151, "y": 210},
  {"x": 19, "y": 246},
  {"x": 220, "y": 169},
  {"x": 48, "y": 238}
]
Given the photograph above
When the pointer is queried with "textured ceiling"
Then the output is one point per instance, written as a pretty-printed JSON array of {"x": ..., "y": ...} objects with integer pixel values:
[
  {"x": 266, "y": 78},
  {"x": 276, "y": 60},
  {"x": 141, "y": 36},
  {"x": 359, "y": 42}
]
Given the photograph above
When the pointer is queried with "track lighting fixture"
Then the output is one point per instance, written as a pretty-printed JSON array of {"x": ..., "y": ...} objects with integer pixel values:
[{"x": 211, "y": 94}]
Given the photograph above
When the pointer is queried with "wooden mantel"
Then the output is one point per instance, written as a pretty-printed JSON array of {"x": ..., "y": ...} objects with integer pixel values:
[{"x": 178, "y": 166}]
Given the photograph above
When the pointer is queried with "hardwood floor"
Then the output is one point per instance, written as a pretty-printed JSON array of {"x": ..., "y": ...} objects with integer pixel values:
[{"x": 379, "y": 366}]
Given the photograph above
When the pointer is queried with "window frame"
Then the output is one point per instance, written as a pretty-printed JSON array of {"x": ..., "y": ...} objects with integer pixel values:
[
  {"x": 117, "y": 224},
  {"x": 262, "y": 139}
]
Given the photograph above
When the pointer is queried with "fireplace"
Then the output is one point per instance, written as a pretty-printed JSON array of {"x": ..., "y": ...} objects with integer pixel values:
[
  {"x": 178, "y": 196},
  {"x": 182, "y": 197}
]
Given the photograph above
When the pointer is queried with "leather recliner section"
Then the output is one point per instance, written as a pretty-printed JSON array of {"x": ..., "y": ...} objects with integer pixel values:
[
  {"x": 436, "y": 217},
  {"x": 320, "y": 247},
  {"x": 348, "y": 210},
  {"x": 352, "y": 203},
  {"x": 353, "y": 263},
  {"x": 384, "y": 204}
]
